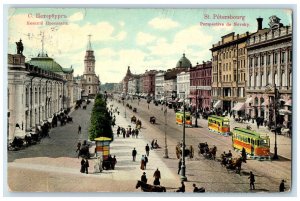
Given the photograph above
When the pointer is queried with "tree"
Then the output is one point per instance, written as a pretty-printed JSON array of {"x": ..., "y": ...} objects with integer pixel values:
[{"x": 101, "y": 121}]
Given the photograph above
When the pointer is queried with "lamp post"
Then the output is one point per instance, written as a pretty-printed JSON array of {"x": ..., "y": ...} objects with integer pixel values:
[
  {"x": 166, "y": 146},
  {"x": 196, "y": 121},
  {"x": 276, "y": 96},
  {"x": 183, "y": 177}
]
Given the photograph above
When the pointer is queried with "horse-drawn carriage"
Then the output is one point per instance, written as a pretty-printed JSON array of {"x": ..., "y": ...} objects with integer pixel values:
[
  {"x": 234, "y": 164},
  {"x": 150, "y": 188},
  {"x": 187, "y": 152},
  {"x": 152, "y": 120},
  {"x": 138, "y": 124},
  {"x": 134, "y": 109},
  {"x": 208, "y": 153}
]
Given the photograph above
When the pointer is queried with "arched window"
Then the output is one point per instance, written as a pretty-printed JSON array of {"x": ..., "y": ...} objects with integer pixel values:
[
  {"x": 261, "y": 100},
  {"x": 256, "y": 80},
  {"x": 256, "y": 101},
  {"x": 89, "y": 79},
  {"x": 291, "y": 80},
  {"x": 276, "y": 79},
  {"x": 284, "y": 82}
]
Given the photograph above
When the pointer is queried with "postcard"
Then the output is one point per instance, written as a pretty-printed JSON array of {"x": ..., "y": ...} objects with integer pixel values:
[{"x": 175, "y": 100}]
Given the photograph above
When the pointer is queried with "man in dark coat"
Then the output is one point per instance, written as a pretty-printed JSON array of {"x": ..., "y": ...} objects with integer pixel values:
[
  {"x": 144, "y": 178},
  {"x": 244, "y": 156},
  {"x": 133, "y": 154},
  {"x": 252, "y": 180},
  {"x": 82, "y": 169},
  {"x": 156, "y": 176},
  {"x": 79, "y": 129},
  {"x": 113, "y": 162},
  {"x": 86, "y": 165},
  {"x": 281, "y": 186},
  {"x": 146, "y": 161},
  {"x": 147, "y": 148}
]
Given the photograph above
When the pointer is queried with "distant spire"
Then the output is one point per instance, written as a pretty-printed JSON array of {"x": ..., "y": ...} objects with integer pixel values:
[{"x": 89, "y": 45}]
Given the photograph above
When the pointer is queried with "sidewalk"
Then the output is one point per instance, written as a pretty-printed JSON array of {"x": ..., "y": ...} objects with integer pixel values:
[{"x": 126, "y": 169}]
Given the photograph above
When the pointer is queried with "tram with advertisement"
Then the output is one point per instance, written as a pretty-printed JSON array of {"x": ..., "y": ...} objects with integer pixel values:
[
  {"x": 220, "y": 125},
  {"x": 255, "y": 144},
  {"x": 188, "y": 118}
]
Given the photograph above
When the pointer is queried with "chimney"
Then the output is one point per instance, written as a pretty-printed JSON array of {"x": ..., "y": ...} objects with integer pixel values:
[{"x": 259, "y": 23}]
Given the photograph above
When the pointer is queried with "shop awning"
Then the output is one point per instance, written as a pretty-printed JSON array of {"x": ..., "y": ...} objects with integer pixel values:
[
  {"x": 218, "y": 104},
  {"x": 249, "y": 100},
  {"x": 239, "y": 106},
  {"x": 284, "y": 112},
  {"x": 288, "y": 103}
]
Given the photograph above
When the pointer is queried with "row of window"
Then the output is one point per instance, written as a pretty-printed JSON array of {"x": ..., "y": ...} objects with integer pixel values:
[
  {"x": 229, "y": 54},
  {"x": 202, "y": 73},
  {"x": 201, "y": 82},
  {"x": 257, "y": 81},
  {"x": 282, "y": 56}
]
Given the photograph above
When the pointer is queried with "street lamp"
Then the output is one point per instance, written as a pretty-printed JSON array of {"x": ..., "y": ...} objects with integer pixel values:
[
  {"x": 165, "y": 113},
  {"x": 196, "y": 121},
  {"x": 183, "y": 177},
  {"x": 276, "y": 97}
]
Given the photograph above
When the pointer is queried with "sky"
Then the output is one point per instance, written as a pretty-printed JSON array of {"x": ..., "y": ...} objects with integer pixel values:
[{"x": 144, "y": 39}]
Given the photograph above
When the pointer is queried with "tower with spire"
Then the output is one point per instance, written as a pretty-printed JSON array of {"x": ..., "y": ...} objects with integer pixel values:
[{"x": 91, "y": 83}]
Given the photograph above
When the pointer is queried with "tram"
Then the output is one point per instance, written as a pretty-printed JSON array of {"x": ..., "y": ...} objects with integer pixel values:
[
  {"x": 220, "y": 125},
  {"x": 188, "y": 118},
  {"x": 255, "y": 144}
]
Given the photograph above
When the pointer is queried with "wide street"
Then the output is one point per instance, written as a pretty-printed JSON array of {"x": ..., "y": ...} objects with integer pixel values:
[{"x": 53, "y": 166}]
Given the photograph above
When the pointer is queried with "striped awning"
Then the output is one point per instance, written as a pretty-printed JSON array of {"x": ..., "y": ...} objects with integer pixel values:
[
  {"x": 239, "y": 106},
  {"x": 218, "y": 104},
  {"x": 249, "y": 100}
]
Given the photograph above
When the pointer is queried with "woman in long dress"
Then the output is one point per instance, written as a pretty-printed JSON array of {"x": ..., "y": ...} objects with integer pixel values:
[{"x": 142, "y": 162}]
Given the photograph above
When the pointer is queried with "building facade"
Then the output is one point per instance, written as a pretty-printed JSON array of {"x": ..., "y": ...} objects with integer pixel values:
[
  {"x": 200, "y": 86},
  {"x": 35, "y": 92},
  {"x": 229, "y": 60},
  {"x": 159, "y": 86},
  {"x": 183, "y": 85},
  {"x": 149, "y": 83},
  {"x": 269, "y": 68}
]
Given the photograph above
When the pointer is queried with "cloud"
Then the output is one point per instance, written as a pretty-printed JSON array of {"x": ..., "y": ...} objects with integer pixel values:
[
  {"x": 76, "y": 17},
  {"x": 144, "y": 38},
  {"x": 190, "y": 38},
  {"x": 163, "y": 23},
  {"x": 58, "y": 39}
]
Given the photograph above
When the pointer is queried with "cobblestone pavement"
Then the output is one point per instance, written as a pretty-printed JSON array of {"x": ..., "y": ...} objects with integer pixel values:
[{"x": 52, "y": 165}]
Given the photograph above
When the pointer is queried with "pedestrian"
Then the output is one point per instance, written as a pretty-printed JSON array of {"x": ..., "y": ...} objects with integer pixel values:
[
  {"x": 182, "y": 188},
  {"x": 179, "y": 166},
  {"x": 113, "y": 162},
  {"x": 144, "y": 178},
  {"x": 146, "y": 161},
  {"x": 82, "y": 169},
  {"x": 136, "y": 133},
  {"x": 244, "y": 156},
  {"x": 118, "y": 112},
  {"x": 152, "y": 144},
  {"x": 133, "y": 154},
  {"x": 157, "y": 177},
  {"x": 133, "y": 132},
  {"x": 79, "y": 129},
  {"x": 86, "y": 166},
  {"x": 281, "y": 186},
  {"x": 196, "y": 189},
  {"x": 142, "y": 163},
  {"x": 123, "y": 132},
  {"x": 78, "y": 146},
  {"x": 118, "y": 131},
  {"x": 147, "y": 148},
  {"x": 252, "y": 180}
]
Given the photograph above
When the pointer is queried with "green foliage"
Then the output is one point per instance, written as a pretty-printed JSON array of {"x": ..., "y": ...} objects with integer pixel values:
[{"x": 100, "y": 120}]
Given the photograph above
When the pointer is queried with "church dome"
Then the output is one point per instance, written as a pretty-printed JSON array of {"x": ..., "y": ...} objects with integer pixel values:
[{"x": 184, "y": 62}]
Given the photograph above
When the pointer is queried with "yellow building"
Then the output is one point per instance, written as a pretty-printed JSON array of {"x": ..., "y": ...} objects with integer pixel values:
[{"x": 229, "y": 61}]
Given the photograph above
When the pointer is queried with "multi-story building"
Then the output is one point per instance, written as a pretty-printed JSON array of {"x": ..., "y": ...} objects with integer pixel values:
[
  {"x": 149, "y": 82},
  {"x": 200, "y": 86},
  {"x": 36, "y": 91},
  {"x": 134, "y": 85},
  {"x": 159, "y": 85},
  {"x": 270, "y": 67},
  {"x": 125, "y": 80},
  {"x": 229, "y": 60},
  {"x": 183, "y": 86}
]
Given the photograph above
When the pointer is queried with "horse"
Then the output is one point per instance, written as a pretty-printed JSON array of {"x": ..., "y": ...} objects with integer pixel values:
[{"x": 149, "y": 188}]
